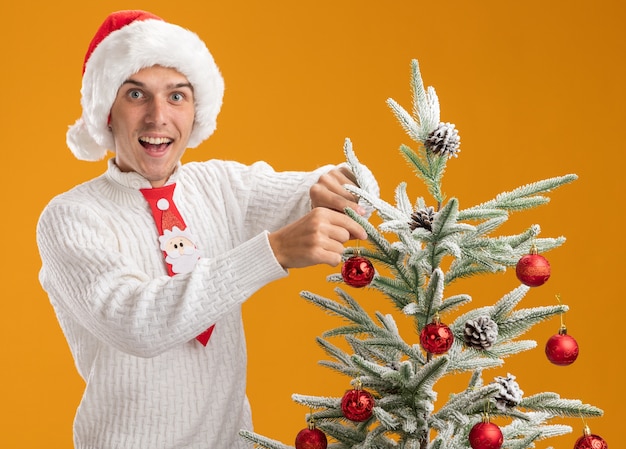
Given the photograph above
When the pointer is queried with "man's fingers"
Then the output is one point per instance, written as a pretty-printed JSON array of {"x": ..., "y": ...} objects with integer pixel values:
[
  {"x": 356, "y": 230},
  {"x": 335, "y": 197},
  {"x": 348, "y": 174},
  {"x": 339, "y": 226},
  {"x": 316, "y": 238},
  {"x": 347, "y": 231}
]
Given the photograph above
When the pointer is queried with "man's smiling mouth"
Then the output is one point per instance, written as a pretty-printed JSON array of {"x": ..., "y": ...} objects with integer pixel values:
[{"x": 155, "y": 144}]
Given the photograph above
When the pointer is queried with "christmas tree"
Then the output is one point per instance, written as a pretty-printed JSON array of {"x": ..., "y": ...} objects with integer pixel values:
[{"x": 416, "y": 251}]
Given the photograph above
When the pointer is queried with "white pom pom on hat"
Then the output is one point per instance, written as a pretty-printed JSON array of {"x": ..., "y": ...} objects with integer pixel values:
[{"x": 126, "y": 42}]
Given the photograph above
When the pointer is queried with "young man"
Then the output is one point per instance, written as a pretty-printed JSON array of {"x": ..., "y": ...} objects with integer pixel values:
[{"x": 147, "y": 265}]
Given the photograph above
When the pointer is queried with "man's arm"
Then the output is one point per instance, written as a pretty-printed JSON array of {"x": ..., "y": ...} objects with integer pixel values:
[{"x": 119, "y": 300}]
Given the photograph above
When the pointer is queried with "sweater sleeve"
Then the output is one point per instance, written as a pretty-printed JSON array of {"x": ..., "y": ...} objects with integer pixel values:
[
  {"x": 285, "y": 194},
  {"x": 262, "y": 198},
  {"x": 113, "y": 298}
]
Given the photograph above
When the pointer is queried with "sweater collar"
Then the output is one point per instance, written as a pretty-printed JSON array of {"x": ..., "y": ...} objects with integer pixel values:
[{"x": 133, "y": 180}]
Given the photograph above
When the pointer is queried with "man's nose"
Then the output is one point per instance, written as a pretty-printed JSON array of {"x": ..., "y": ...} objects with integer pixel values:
[{"x": 156, "y": 112}]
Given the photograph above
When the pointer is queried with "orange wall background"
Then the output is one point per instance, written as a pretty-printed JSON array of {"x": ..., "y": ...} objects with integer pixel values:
[{"x": 535, "y": 88}]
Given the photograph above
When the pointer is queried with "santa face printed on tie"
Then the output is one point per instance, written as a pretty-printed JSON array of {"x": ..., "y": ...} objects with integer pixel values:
[{"x": 180, "y": 249}]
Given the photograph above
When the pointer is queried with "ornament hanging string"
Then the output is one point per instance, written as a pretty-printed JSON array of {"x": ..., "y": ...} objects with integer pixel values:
[
  {"x": 580, "y": 412},
  {"x": 562, "y": 314},
  {"x": 487, "y": 409},
  {"x": 310, "y": 419}
]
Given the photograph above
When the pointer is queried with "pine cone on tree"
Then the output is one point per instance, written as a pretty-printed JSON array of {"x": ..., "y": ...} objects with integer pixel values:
[
  {"x": 480, "y": 333},
  {"x": 422, "y": 218},
  {"x": 510, "y": 393},
  {"x": 443, "y": 140}
]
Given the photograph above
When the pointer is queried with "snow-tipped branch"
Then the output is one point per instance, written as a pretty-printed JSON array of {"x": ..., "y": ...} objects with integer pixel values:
[
  {"x": 553, "y": 404},
  {"x": 470, "y": 402},
  {"x": 521, "y": 321},
  {"x": 261, "y": 441},
  {"x": 524, "y": 197}
]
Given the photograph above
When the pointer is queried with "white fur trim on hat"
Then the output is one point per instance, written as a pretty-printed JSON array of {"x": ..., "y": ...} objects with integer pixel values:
[{"x": 141, "y": 44}]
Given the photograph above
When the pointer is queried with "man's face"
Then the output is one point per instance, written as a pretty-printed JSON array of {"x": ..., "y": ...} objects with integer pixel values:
[{"x": 151, "y": 120}]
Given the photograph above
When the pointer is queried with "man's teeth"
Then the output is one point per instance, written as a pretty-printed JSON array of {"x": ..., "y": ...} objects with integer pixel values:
[{"x": 155, "y": 140}]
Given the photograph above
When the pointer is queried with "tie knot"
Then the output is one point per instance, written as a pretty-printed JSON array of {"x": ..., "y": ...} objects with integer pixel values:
[
  {"x": 163, "y": 204},
  {"x": 161, "y": 201}
]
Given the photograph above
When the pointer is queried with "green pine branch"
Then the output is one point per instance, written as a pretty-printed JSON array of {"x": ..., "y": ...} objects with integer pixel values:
[{"x": 525, "y": 197}]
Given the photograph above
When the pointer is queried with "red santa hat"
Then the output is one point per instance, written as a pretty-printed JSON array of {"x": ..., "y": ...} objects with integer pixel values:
[{"x": 125, "y": 43}]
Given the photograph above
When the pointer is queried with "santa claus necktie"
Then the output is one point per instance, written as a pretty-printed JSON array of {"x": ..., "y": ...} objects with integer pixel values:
[{"x": 176, "y": 240}]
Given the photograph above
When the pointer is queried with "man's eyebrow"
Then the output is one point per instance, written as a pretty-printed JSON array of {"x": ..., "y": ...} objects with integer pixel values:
[
  {"x": 169, "y": 86},
  {"x": 133, "y": 82},
  {"x": 179, "y": 85}
]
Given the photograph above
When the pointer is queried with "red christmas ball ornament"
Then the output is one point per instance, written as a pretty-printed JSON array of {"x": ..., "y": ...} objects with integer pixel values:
[
  {"x": 590, "y": 441},
  {"x": 357, "y": 271},
  {"x": 562, "y": 349},
  {"x": 311, "y": 438},
  {"x": 436, "y": 338},
  {"x": 357, "y": 405},
  {"x": 486, "y": 435},
  {"x": 533, "y": 269}
]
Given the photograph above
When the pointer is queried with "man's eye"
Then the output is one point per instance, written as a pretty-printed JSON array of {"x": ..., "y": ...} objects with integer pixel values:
[{"x": 135, "y": 94}]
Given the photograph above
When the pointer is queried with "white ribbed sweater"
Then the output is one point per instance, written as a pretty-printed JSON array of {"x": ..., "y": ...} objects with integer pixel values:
[{"x": 131, "y": 327}]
